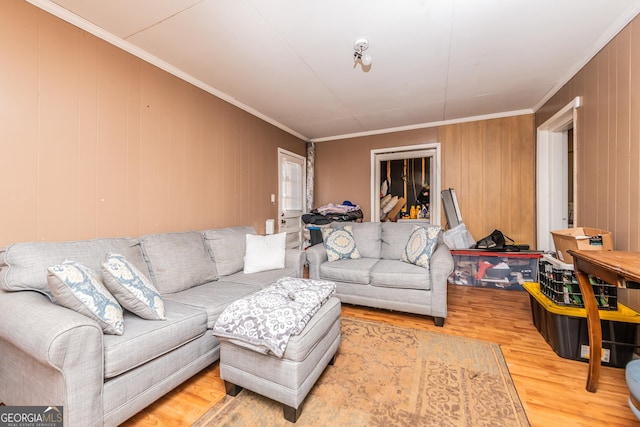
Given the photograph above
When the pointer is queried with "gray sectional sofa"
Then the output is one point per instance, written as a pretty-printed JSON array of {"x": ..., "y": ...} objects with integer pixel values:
[
  {"x": 379, "y": 278},
  {"x": 54, "y": 356}
]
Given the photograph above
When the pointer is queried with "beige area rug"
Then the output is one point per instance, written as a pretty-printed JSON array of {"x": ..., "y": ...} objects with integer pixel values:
[{"x": 392, "y": 376}]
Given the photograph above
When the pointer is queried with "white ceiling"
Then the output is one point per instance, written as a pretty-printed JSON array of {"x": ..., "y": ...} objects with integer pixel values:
[{"x": 291, "y": 62}]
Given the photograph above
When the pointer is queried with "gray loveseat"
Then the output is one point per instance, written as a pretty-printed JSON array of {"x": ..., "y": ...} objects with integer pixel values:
[
  {"x": 379, "y": 278},
  {"x": 54, "y": 356}
]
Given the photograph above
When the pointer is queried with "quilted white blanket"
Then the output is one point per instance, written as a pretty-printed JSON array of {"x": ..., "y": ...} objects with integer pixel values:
[{"x": 265, "y": 320}]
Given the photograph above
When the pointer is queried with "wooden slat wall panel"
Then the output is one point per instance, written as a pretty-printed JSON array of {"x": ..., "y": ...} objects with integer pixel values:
[
  {"x": 489, "y": 163},
  {"x": 97, "y": 142},
  {"x": 634, "y": 138},
  {"x": 491, "y": 166},
  {"x": 57, "y": 121},
  {"x": 608, "y": 137},
  {"x": 620, "y": 165}
]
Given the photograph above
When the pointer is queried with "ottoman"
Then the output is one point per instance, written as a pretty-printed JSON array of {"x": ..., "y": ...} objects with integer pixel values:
[{"x": 289, "y": 379}]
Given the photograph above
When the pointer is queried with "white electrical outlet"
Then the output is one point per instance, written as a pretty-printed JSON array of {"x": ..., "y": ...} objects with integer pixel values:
[{"x": 584, "y": 353}]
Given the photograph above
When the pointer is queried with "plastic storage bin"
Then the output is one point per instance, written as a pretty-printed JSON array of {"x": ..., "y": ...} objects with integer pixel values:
[
  {"x": 502, "y": 270},
  {"x": 565, "y": 329}
]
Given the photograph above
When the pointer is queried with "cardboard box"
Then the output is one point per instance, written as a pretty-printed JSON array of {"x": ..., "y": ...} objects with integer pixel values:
[{"x": 580, "y": 238}]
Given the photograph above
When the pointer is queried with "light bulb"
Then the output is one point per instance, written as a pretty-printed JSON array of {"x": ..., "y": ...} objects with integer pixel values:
[{"x": 366, "y": 60}]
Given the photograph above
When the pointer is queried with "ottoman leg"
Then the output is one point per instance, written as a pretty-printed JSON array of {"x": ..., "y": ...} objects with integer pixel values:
[
  {"x": 232, "y": 389},
  {"x": 333, "y": 360},
  {"x": 291, "y": 414}
]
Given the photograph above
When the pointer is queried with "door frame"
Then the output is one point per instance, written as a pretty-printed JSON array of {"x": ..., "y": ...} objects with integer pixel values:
[
  {"x": 432, "y": 149},
  {"x": 551, "y": 173}
]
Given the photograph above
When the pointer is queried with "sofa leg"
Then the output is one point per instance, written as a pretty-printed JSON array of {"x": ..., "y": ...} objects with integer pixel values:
[
  {"x": 333, "y": 360},
  {"x": 438, "y": 321},
  {"x": 232, "y": 389},
  {"x": 291, "y": 414}
]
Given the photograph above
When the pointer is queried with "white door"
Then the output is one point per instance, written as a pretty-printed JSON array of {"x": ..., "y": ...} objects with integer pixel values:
[{"x": 291, "y": 195}]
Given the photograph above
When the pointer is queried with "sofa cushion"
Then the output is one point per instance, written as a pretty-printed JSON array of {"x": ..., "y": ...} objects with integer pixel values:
[
  {"x": 348, "y": 270},
  {"x": 395, "y": 236},
  {"x": 178, "y": 261},
  {"x": 213, "y": 297},
  {"x": 77, "y": 287},
  {"x": 340, "y": 243},
  {"x": 397, "y": 274},
  {"x": 264, "y": 253},
  {"x": 145, "y": 340},
  {"x": 367, "y": 236},
  {"x": 133, "y": 290},
  {"x": 420, "y": 246},
  {"x": 23, "y": 266},
  {"x": 227, "y": 247}
]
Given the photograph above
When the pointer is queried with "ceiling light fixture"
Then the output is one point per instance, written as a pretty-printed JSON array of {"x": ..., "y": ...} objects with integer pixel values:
[{"x": 359, "y": 56}]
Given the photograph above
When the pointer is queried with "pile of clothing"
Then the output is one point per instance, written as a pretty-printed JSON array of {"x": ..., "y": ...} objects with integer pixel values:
[{"x": 346, "y": 211}]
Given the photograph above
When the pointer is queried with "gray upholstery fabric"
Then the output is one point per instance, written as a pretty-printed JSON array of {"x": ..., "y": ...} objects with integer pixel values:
[
  {"x": 441, "y": 267},
  {"x": 415, "y": 301},
  {"x": 50, "y": 361},
  {"x": 316, "y": 257},
  {"x": 398, "y": 274},
  {"x": 282, "y": 379},
  {"x": 348, "y": 270},
  {"x": 387, "y": 282},
  {"x": 178, "y": 261},
  {"x": 367, "y": 236},
  {"x": 23, "y": 266},
  {"x": 51, "y": 354},
  {"x": 227, "y": 246},
  {"x": 144, "y": 340},
  {"x": 300, "y": 346},
  {"x": 395, "y": 236},
  {"x": 127, "y": 394},
  {"x": 213, "y": 297}
]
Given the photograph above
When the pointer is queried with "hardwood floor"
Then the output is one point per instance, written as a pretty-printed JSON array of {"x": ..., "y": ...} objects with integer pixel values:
[{"x": 552, "y": 389}]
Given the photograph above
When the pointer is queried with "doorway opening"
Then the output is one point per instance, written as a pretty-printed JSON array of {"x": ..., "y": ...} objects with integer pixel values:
[
  {"x": 408, "y": 172},
  {"x": 556, "y": 195}
]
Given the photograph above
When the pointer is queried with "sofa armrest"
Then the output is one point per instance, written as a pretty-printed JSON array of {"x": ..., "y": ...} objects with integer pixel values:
[
  {"x": 316, "y": 255},
  {"x": 441, "y": 265},
  {"x": 295, "y": 258},
  {"x": 50, "y": 356}
]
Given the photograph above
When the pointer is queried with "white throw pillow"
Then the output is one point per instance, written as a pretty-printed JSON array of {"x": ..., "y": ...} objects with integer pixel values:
[{"x": 264, "y": 252}]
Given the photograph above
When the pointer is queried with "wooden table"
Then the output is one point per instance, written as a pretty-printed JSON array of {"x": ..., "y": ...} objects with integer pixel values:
[{"x": 614, "y": 267}]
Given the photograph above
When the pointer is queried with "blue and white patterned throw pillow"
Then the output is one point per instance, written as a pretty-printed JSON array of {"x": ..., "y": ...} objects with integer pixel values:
[
  {"x": 339, "y": 243},
  {"x": 421, "y": 245},
  {"x": 133, "y": 290},
  {"x": 79, "y": 288}
]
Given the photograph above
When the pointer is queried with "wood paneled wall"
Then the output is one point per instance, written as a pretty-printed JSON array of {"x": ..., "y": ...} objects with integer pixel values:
[
  {"x": 607, "y": 138},
  {"x": 490, "y": 164},
  {"x": 96, "y": 142}
]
